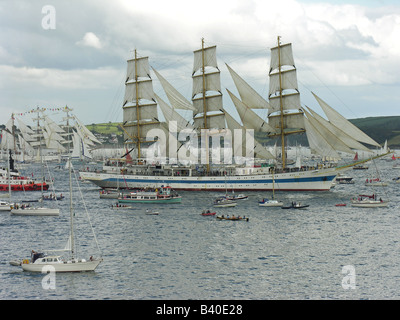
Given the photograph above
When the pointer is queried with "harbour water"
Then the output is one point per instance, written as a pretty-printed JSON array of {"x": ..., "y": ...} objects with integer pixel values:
[{"x": 179, "y": 254}]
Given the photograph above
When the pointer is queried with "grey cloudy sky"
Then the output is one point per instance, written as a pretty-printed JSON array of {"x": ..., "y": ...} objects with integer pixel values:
[{"x": 345, "y": 51}]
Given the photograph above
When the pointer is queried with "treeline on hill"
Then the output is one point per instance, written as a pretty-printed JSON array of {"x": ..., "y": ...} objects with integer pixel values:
[{"x": 378, "y": 128}]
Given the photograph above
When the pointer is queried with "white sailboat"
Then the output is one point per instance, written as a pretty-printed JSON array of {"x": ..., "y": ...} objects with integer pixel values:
[
  {"x": 40, "y": 260},
  {"x": 368, "y": 201},
  {"x": 271, "y": 202}
]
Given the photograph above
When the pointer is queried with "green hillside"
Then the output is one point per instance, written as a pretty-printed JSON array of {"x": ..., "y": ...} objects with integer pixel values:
[
  {"x": 105, "y": 128},
  {"x": 381, "y": 129}
]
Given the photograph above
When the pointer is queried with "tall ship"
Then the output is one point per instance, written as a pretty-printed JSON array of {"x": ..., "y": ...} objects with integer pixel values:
[
  {"x": 45, "y": 140},
  {"x": 186, "y": 154}
]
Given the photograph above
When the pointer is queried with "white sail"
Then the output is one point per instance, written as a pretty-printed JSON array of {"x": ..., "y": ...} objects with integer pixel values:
[
  {"x": 177, "y": 100},
  {"x": 249, "y": 118},
  {"x": 85, "y": 132},
  {"x": 171, "y": 115},
  {"x": 352, "y": 143},
  {"x": 52, "y": 125},
  {"x": 285, "y": 58},
  {"x": 248, "y": 95},
  {"x": 7, "y": 140},
  {"x": 341, "y": 122},
  {"x": 317, "y": 143},
  {"x": 23, "y": 127},
  {"x": 259, "y": 150},
  {"x": 206, "y": 55},
  {"x": 328, "y": 136},
  {"x": 139, "y": 107},
  {"x": 206, "y": 93},
  {"x": 25, "y": 146}
]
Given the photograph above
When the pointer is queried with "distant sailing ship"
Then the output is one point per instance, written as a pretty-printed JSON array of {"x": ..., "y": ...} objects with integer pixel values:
[
  {"x": 46, "y": 135},
  {"x": 286, "y": 116}
]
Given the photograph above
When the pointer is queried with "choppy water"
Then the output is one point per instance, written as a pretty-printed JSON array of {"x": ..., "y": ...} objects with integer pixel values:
[{"x": 179, "y": 254}]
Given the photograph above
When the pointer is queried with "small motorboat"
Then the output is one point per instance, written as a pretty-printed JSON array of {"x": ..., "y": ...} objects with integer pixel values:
[
  {"x": 223, "y": 202},
  {"x": 270, "y": 203},
  {"x": 52, "y": 196},
  {"x": 152, "y": 212},
  {"x": 121, "y": 206},
  {"x": 295, "y": 205},
  {"x": 238, "y": 197},
  {"x": 232, "y": 218},
  {"x": 341, "y": 179},
  {"x": 208, "y": 213}
]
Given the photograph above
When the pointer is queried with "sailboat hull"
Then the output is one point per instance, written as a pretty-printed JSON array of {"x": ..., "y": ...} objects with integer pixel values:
[
  {"x": 316, "y": 180},
  {"x": 70, "y": 266},
  {"x": 30, "y": 211}
]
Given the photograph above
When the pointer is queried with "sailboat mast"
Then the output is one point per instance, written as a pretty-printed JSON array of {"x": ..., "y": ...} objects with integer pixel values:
[
  {"x": 137, "y": 106},
  {"x": 281, "y": 105},
  {"x": 71, "y": 210}
]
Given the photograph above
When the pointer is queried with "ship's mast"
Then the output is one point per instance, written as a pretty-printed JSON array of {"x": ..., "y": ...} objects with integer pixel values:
[
  {"x": 281, "y": 106},
  {"x": 137, "y": 106},
  {"x": 204, "y": 84},
  {"x": 205, "y": 104}
]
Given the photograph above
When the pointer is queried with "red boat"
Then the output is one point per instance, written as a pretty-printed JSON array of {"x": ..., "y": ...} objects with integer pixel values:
[
  {"x": 22, "y": 184},
  {"x": 340, "y": 205},
  {"x": 208, "y": 213},
  {"x": 18, "y": 183}
]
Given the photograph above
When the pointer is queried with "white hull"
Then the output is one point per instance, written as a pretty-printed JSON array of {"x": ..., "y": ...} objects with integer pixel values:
[
  {"x": 70, "y": 266},
  {"x": 315, "y": 180},
  {"x": 271, "y": 203},
  {"x": 376, "y": 184},
  {"x": 5, "y": 207},
  {"x": 369, "y": 204},
  {"x": 225, "y": 205},
  {"x": 30, "y": 211}
]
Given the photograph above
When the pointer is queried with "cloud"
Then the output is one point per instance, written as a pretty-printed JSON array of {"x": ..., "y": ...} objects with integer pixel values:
[
  {"x": 90, "y": 40},
  {"x": 342, "y": 45}
]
